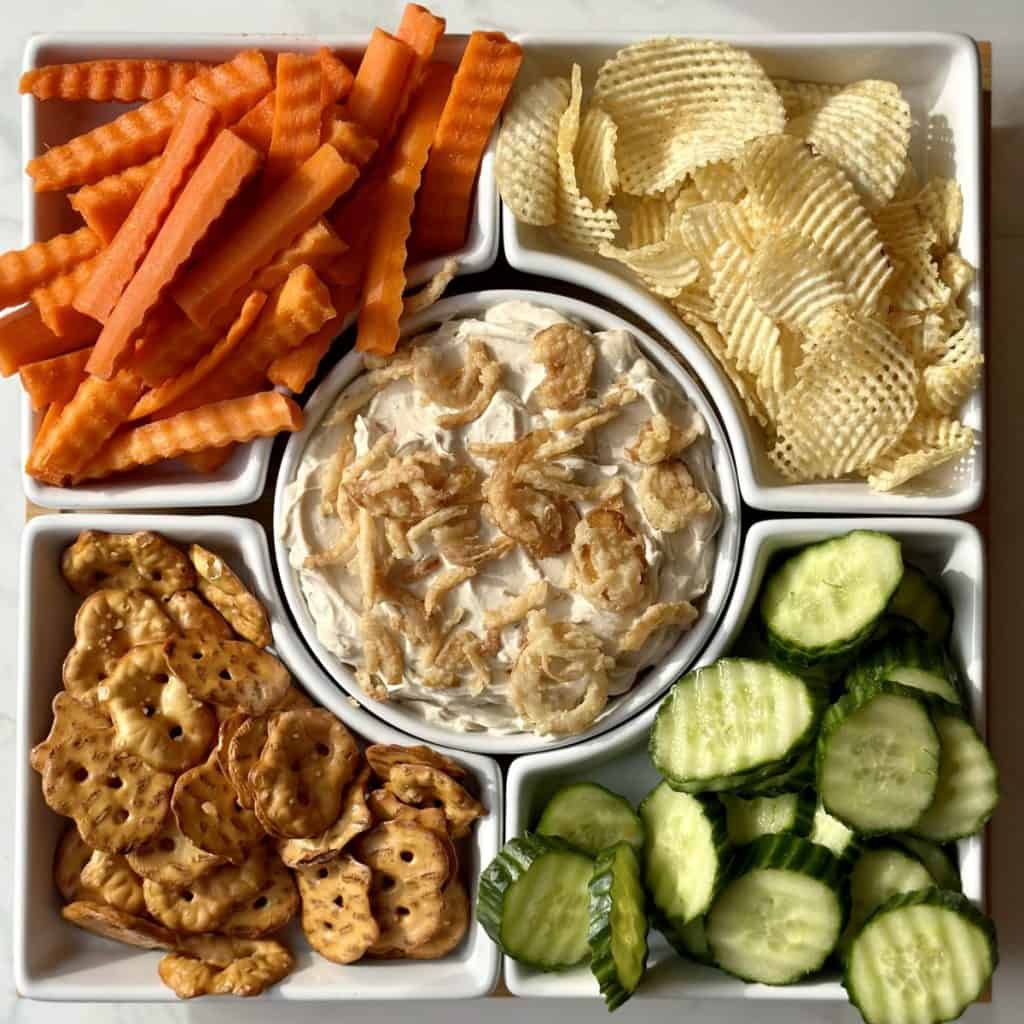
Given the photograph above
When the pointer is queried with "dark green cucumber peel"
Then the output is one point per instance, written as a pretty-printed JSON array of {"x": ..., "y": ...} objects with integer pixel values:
[
  {"x": 909, "y": 652},
  {"x": 919, "y": 601}
]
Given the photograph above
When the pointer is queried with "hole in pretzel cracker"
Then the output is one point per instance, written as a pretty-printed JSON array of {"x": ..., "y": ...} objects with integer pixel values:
[
  {"x": 120, "y": 816},
  {"x": 161, "y": 677},
  {"x": 339, "y": 901},
  {"x": 166, "y": 844},
  {"x": 114, "y": 782},
  {"x": 175, "y": 732},
  {"x": 79, "y": 774},
  {"x": 387, "y": 883},
  {"x": 402, "y": 911},
  {"x": 259, "y": 903},
  {"x": 407, "y": 856},
  {"x": 225, "y": 674}
]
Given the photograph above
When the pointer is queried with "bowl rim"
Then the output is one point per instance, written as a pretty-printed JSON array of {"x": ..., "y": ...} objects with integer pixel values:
[{"x": 728, "y": 538}]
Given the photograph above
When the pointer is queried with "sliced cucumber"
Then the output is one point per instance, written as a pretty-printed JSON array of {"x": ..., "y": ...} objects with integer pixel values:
[
  {"x": 878, "y": 759},
  {"x": 684, "y": 852},
  {"x": 767, "y": 815},
  {"x": 829, "y": 597},
  {"x": 921, "y": 958},
  {"x": 880, "y": 872},
  {"x": 618, "y": 924},
  {"x": 968, "y": 787},
  {"x": 833, "y": 835},
  {"x": 690, "y": 941},
  {"x": 918, "y": 600},
  {"x": 780, "y": 913},
  {"x": 793, "y": 775},
  {"x": 591, "y": 817},
  {"x": 911, "y": 660},
  {"x": 732, "y": 723},
  {"x": 941, "y": 866},
  {"x": 534, "y": 902}
]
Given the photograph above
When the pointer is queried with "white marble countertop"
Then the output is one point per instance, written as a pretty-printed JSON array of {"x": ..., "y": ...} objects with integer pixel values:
[{"x": 1002, "y": 22}]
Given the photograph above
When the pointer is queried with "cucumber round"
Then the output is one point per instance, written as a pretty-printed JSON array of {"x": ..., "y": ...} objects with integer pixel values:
[
  {"x": 732, "y": 723},
  {"x": 833, "y": 835},
  {"x": 767, "y": 815},
  {"x": 780, "y": 913},
  {"x": 618, "y": 924},
  {"x": 591, "y": 818},
  {"x": 912, "y": 660},
  {"x": 941, "y": 866},
  {"x": 921, "y": 958},
  {"x": 878, "y": 759},
  {"x": 828, "y": 598},
  {"x": 793, "y": 775},
  {"x": 534, "y": 902},
  {"x": 919, "y": 601},
  {"x": 690, "y": 941},
  {"x": 968, "y": 783},
  {"x": 685, "y": 852}
]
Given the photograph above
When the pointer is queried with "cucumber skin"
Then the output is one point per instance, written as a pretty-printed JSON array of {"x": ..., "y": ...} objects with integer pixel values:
[
  {"x": 793, "y": 775},
  {"x": 563, "y": 790},
  {"x": 512, "y": 862},
  {"x": 900, "y": 604},
  {"x": 946, "y": 872},
  {"x": 911, "y": 649},
  {"x": 942, "y": 898},
  {"x": 602, "y": 959},
  {"x": 674, "y": 938},
  {"x": 806, "y": 803}
]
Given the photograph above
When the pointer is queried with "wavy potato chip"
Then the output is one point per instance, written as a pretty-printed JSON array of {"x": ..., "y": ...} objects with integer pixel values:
[
  {"x": 925, "y": 335},
  {"x": 744, "y": 386},
  {"x": 949, "y": 382},
  {"x": 705, "y": 227},
  {"x": 799, "y": 98},
  {"x": 665, "y": 267},
  {"x": 694, "y": 303},
  {"x": 681, "y": 104},
  {"x": 942, "y": 205},
  {"x": 526, "y": 162},
  {"x": 930, "y": 441},
  {"x": 596, "y": 169},
  {"x": 916, "y": 285},
  {"x": 957, "y": 273},
  {"x": 718, "y": 182}
]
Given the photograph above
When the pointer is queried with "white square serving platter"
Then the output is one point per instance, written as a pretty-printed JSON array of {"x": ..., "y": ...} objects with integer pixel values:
[
  {"x": 242, "y": 478},
  {"x": 940, "y": 76},
  {"x": 949, "y": 550},
  {"x": 54, "y": 960}
]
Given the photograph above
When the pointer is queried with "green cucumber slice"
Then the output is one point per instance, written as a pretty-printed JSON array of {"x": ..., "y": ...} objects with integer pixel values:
[
  {"x": 919, "y": 601},
  {"x": 767, "y": 815},
  {"x": 833, "y": 835},
  {"x": 618, "y": 924},
  {"x": 732, "y": 723},
  {"x": 968, "y": 785},
  {"x": 794, "y": 775},
  {"x": 591, "y": 818},
  {"x": 921, "y": 958},
  {"x": 878, "y": 759},
  {"x": 780, "y": 913},
  {"x": 690, "y": 941},
  {"x": 941, "y": 866},
  {"x": 911, "y": 660},
  {"x": 534, "y": 903},
  {"x": 828, "y": 598},
  {"x": 684, "y": 852}
]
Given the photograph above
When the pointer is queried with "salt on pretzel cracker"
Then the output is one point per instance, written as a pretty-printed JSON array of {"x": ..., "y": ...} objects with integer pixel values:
[
  {"x": 189, "y": 612},
  {"x": 930, "y": 441},
  {"x": 125, "y": 561},
  {"x": 681, "y": 104},
  {"x": 949, "y": 382},
  {"x": 855, "y": 395},
  {"x": 794, "y": 190},
  {"x": 596, "y": 169},
  {"x": 419, "y": 784},
  {"x": 526, "y": 161},
  {"x": 219, "y": 584}
]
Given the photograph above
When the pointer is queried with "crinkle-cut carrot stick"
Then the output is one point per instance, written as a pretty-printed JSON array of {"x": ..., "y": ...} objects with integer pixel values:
[
  {"x": 379, "y": 84},
  {"x": 279, "y": 218},
  {"x": 105, "y": 206},
  {"x": 351, "y": 141},
  {"x": 55, "y": 300},
  {"x": 422, "y": 31},
  {"x": 220, "y": 174},
  {"x": 385, "y": 267},
  {"x": 231, "y": 88},
  {"x": 98, "y": 408},
  {"x": 125, "y": 81},
  {"x": 295, "y": 369},
  {"x": 22, "y": 270},
  {"x": 42, "y": 437},
  {"x": 168, "y": 344},
  {"x": 173, "y": 389},
  {"x": 24, "y": 338},
  {"x": 117, "y": 263},
  {"x": 337, "y": 79},
  {"x": 298, "y": 114},
  {"x": 486, "y": 72},
  {"x": 54, "y": 380},
  {"x": 210, "y": 426},
  {"x": 211, "y": 460}
]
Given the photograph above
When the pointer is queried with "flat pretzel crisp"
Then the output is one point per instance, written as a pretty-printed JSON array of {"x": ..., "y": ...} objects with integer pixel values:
[
  {"x": 119, "y": 926},
  {"x": 125, "y": 561},
  {"x": 217, "y": 965},
  {"x": 267, "y": 910},
  {"x": 419, "y": 784},
  {"x": 226, "y": 592},
  {"x": 336, "y": 915},
  {"x": 190, "y": 613},
  {"x": 171, "y": 858},
  {"x": 82, "y": 873},
  {"x": 71, "y": 721},
  {"x": 383, "y": 756}
]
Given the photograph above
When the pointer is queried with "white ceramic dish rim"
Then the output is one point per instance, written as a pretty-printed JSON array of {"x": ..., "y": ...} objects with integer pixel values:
[
  {"x": 762, "y": 539},
  {"x": 369, "y": 980},
  {"x": 646, "y": 690},
  {"x": 839, "y": 498},
  {"x": 244, "y": 477}
]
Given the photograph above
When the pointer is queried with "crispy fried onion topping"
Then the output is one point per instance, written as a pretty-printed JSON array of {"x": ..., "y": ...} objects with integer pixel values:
[
  {"x": 468, "y": 390},
  {"x": 568, "y": 357},
  {"x": 664, "y": 613},
  {"x": 457, "y": 655},
  {"x": 559, "y": 684},
  {"x": 659, "y": 439},
  {"x": 384, "y": 664},
  {"x": 534, "y": 596},
  {"x": 370, "y": 385},
  {"x": 460, "y": 542},
  {"x": 608, "y": 563},
  {"x": 669, "y": 497}
]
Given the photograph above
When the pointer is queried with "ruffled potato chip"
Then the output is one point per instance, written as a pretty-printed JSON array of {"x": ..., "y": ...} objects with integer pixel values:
[
  {"x": 596, "y": 169},
  {"x": 718, "y": 182},
  {"x": 916, "y": 285},
  {"x": 799, "y": 98},
  {"x": 681, "y": 104},
  {"x": 929, "y": 441},
  {"x": 745, "y": 388},
  {"x": 651, "y": 219},
  {"x": 666, "y": 267},
  {"x": 949, "y": 382},
  {"x": 705, "y": 227},
  {"x": 942, "y": 204}
]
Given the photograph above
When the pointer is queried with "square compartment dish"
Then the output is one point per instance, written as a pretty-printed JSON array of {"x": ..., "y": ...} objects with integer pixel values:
[
  {"x": 948, "y": 549},
  {"x": 940, "y": 77},
  {"x": 242, "y": 478},
  {"x": 654, "y": 680},
  {"x": 54, "y": 960}
]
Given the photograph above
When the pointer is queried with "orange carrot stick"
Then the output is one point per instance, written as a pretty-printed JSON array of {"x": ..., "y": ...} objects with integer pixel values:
[
  {"x": 209, "y": 426},
  {"x": 486, "y": 72},
  {"x": 24, "y": 338},
  {"x": 295, "y": 204},
  {"x": 105, "y": 206},
  {"x": 353, "y": 143},
  {"x": 54, "y": 380},
  {"x": 173, "y": 389},
  {"x": 55, "y": 300},
  {"x": 168, "y": 344},
  {"x": 295, "y": 135},
  {"x": 211, "y": 460},
  {"x": 98, "y": 408},
  {"x": 22, "y": 270},
  {"x": 42, "y": 438},
  {"x": 385, "y": 268},
  {"x": 422, "y": 31},
  {"x": 118, "y": 262},
  {"x": 227, "y": 165},
  {"x": 379, "y": 83},
  {"x": 337, "y": 79},
  {"x": 231, "y": 88},
  {"x": 105, "y": 80}
]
